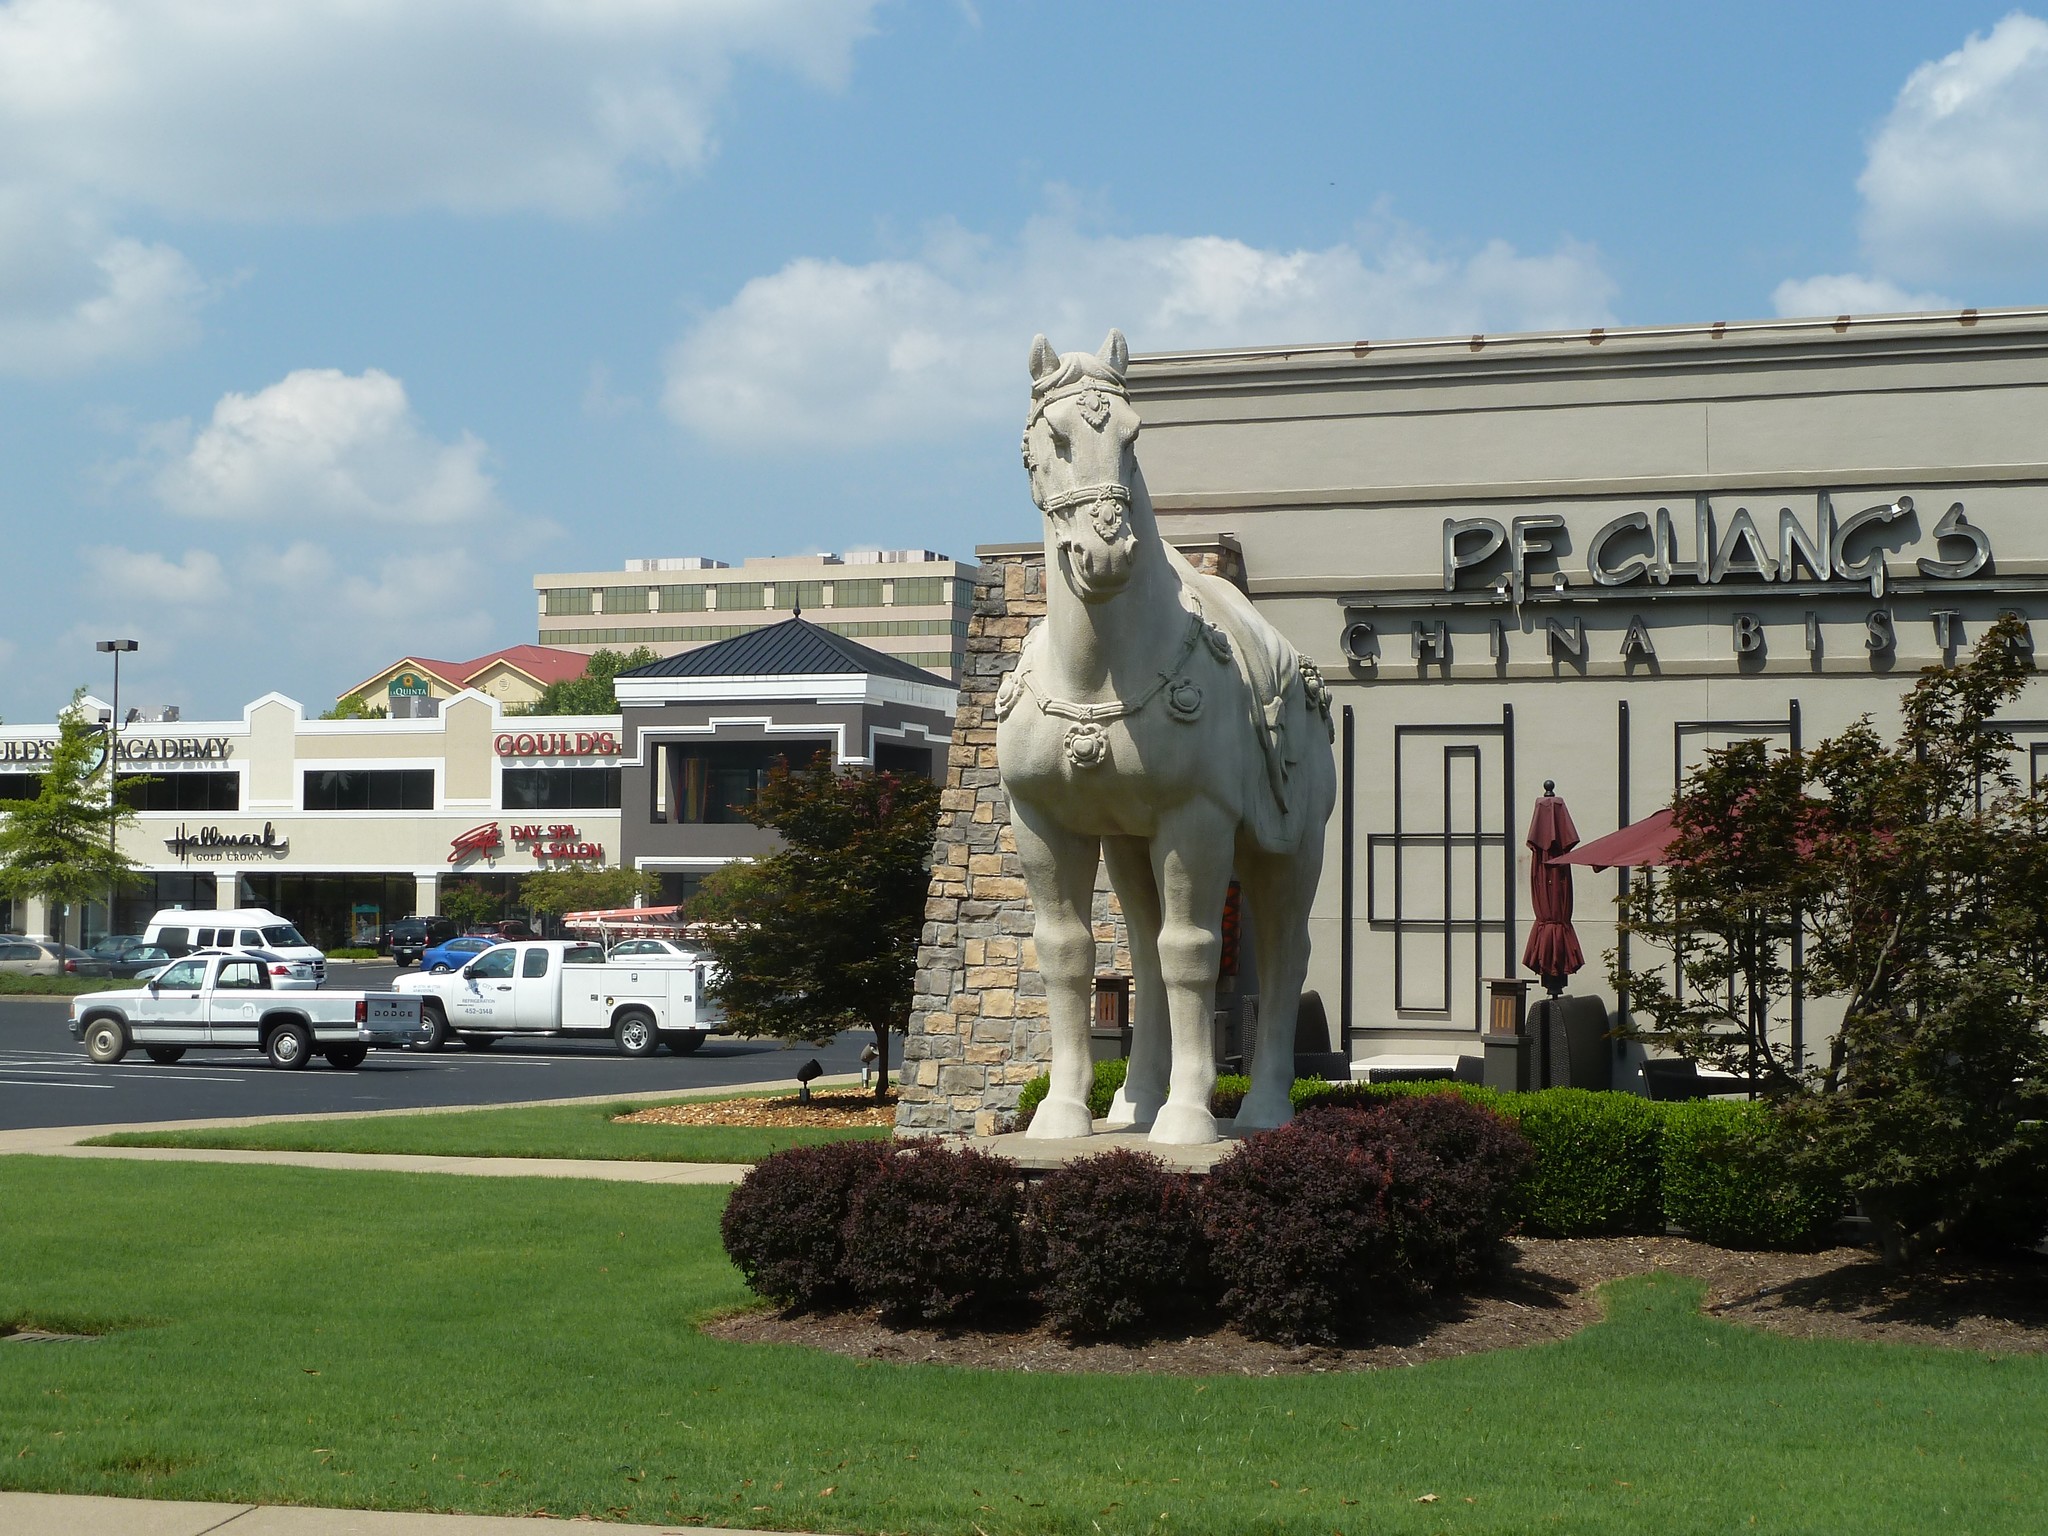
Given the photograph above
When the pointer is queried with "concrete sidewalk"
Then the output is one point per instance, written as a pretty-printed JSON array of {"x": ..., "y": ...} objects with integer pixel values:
[
  {"x": 63, "y": 1141},
  {"x": 60, "y": 1514}
]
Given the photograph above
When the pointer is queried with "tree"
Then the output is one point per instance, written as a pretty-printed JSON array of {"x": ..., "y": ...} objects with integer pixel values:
[
  {"x": 591, "y": 694},
  {"x": 1915, "y": 873},
  {"x": 467, "y": 903},
  {"x": 62, "y": 845},
  {"x": 353, "y": 707},
  {"x": 555, "y": 891},
  {"x": 822, "y": 935}
]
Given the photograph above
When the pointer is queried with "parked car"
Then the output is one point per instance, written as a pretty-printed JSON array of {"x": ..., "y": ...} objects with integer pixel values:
[
  {"x": 504, "y": 930},
  {"x": 114, "y": 944},
  {"x": 285, "y": 973},
  {"x": 33, "y": 957},
  {"x": 127, "y": 962},
  {"x": 654, "y": 949},
  {"x": 453, "y": 954},
  {"x": 412, "y": 937}
]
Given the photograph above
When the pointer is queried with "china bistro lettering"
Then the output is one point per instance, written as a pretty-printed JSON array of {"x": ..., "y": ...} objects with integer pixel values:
[
  {"x": 556, "y": 744},
  {"x": 1644, "y": 547}
]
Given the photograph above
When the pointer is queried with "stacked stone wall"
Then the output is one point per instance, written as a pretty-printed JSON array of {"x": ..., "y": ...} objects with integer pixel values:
[{"x": 977, "y": 1030}]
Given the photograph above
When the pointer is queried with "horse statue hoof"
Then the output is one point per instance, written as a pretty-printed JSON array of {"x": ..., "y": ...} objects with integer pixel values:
[
  {"x": 1184, "y": 1125},
  {"x": 1264, "y": 1112},
  {"x": 1125, "y": 1111},
  {"x": 1061, "y": 1120}
]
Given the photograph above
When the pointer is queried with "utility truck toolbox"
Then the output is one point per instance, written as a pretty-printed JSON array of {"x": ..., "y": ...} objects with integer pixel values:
[{"x": 224, "y": 1001}]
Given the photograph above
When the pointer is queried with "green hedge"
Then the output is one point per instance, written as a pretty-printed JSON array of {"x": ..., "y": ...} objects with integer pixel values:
[
  {"x": 1607, "y": 1164},
  {"x": 1729, "y": 1182}
]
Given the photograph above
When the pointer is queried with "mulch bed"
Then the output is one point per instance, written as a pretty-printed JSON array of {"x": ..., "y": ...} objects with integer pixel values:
[
  {"x": 827, "y": 1111},
  {"x": 1548, "y": 1293}
]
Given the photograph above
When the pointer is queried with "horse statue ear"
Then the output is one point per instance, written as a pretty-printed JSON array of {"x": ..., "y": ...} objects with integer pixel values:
[
  {"x": 1116, "y": 352},
  {"x": 1044, "y": 361}
]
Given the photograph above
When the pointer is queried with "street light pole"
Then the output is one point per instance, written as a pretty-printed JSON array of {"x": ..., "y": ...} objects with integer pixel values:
[{"x": 116, "y": 648}]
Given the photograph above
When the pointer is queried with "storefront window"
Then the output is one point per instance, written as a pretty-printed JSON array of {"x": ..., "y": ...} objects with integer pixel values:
[
  {"x": 184, "y": 792},
  {"x": 370, "y": 789},
  {"x": 715, "y": 782},
  {"x": 561, "y": 789}
]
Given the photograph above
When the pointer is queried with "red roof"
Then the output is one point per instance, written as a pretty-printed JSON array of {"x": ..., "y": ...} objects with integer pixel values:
[{"x": 543, "y": 663}]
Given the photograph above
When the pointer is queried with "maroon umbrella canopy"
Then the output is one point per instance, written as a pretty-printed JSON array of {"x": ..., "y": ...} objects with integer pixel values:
[
  {"x": 1553, "y": 949},
  {"x": 1639, "y": 843}
]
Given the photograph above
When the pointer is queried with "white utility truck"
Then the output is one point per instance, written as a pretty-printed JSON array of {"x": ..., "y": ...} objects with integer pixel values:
[
  {"x": 557, "y": 987},
  {"x": 222, "y": 1001}
]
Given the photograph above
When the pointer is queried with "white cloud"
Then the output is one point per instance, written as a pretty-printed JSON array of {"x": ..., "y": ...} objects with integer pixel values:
[
  {"x": 323, "y": 108},
  {"x": 1955, "y": 185},
  {"x": 131, "y": 578},
  {"x": 73, "y": 295},
  {"x": 323, "y": 446},
  {"x": 1849, "y": 293},
  {"x": 824, "y": 352},
  {"x": 1957, "y": 179}
]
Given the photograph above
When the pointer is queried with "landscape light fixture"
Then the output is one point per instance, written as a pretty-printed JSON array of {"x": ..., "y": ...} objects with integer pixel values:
[
  {"x": 804, "y": 1075},
  {"x": 117, "y": 649}
]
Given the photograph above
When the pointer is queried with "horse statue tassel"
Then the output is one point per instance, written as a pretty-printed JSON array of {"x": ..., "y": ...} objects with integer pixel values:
[{"x": 1156, "y": 722}]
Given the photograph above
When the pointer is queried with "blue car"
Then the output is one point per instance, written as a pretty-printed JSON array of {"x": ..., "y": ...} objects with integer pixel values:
[{"x": 454, "y": 954}]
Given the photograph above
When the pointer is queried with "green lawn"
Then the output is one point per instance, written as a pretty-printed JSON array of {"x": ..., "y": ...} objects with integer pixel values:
[
  {"x": 414, "y": 1342},
  {"x": 562, "y": 1130}
]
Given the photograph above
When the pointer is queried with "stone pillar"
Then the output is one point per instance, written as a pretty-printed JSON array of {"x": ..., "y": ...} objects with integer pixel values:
[{"x": 977, "y": 1030}]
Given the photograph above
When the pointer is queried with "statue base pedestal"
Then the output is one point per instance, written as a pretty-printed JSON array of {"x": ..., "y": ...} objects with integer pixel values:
[{"x": 1044, "y": 1156}]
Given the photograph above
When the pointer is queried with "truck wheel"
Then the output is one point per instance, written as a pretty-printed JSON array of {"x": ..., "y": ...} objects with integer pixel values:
[
  {"x": 479, "y": 1042},
  {"x": 346, "y": 1057},
  {"x": 683, "y": 1042},
  {"x": 635, "y": 1033},
  {"x": 106, "y": 1041},
  {"x": 437, "y": 1025},
  {"x": 164, "y": 1055},
  {"x": 288, "y": 1046}
]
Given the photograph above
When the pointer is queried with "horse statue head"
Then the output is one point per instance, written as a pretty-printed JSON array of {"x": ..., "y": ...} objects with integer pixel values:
[{"x": 1078, "y": 453}]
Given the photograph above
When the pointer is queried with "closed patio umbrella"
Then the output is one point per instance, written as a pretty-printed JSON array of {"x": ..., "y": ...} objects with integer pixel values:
[{"x": 1553, "y": 950}]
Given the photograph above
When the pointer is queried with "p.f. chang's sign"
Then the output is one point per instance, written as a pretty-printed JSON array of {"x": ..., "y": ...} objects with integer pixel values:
[
  {"x": 1647, "y": 547},
  {"x": 556, "y": 744}
]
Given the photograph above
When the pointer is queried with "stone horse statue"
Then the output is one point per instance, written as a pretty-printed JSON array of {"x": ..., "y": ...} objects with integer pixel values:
[{"x": 1156, "y": 721}]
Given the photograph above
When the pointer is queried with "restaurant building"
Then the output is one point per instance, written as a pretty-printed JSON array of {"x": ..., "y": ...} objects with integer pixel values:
[{"x": 1585, "y": 557}]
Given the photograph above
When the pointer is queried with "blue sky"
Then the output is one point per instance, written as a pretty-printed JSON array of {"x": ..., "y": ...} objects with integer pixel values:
[{"x": 324, "y": 326}]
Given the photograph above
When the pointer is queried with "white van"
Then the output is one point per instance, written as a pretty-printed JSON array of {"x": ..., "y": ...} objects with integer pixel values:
[{"x": 180, "y": 930}]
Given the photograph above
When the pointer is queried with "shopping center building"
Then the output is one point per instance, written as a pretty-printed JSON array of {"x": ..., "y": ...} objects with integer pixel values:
[
  {"x": 342, "y": 825},
  {"x": 1585, "y": 558}
]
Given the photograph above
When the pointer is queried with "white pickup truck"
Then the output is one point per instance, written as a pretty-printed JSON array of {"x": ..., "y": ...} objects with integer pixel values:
[
  {"x": 223, "y": 1001},
  {"x": 556, "y": 987}
]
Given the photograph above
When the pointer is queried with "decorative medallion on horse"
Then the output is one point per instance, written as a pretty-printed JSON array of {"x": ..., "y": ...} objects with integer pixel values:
[{"x": 1156, "y": 723}]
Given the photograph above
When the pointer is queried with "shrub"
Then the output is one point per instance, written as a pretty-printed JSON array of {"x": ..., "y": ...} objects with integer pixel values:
[
  {"x": 1598, "y": 1161},
  {"x": 1478, "y": 1161},
  {"x": 1109, "y": 1076},
  {"x": 937, "y": 1234},
  {"x": 1300, "y": 1231},
  {"x": 353, "y": 952},
  {"x": 1119, "y": 1244},
  {"x": 783, "y": 1226},
  {"x": 1729, "y": 1179}
]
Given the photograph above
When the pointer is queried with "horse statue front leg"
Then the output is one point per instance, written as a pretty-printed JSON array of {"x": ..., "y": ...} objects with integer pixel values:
[
  {"x": 1059, "y": 873},
  {"x": 1191, "y": 860},
  {"x": 1138, "y": 1102}
]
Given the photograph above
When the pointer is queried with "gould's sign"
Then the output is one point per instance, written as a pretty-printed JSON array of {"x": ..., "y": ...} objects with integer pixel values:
[{"x": 1658, "y": 547}]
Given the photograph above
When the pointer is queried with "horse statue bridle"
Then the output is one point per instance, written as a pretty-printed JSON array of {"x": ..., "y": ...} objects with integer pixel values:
[{"x": 1111, "y": 499}]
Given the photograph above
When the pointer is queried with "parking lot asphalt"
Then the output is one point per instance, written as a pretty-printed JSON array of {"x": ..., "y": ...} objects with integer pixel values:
[{"x": 45, "y": 1079}]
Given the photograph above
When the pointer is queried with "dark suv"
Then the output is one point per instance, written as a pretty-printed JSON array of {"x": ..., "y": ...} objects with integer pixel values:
[{"x": 413, "y": 936}]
